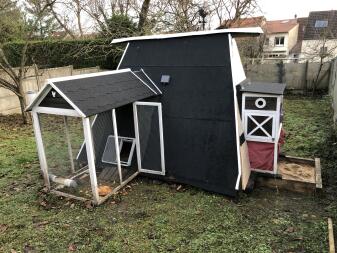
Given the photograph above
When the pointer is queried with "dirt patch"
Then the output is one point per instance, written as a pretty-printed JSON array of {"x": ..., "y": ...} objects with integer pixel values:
[{"x": 297, "y": 171}]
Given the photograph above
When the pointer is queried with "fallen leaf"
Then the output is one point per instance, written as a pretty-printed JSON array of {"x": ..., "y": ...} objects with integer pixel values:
[
  {"x": 42, "y": 223},
  {"x": 13, "y": 251},
  {"x": 290, "y": 230},
  {"x": 179, "y": 187},
  {"x": 72, "y": 247},
  {"x": 43, "y": 203},
  {"x": 3, "y": 228}
]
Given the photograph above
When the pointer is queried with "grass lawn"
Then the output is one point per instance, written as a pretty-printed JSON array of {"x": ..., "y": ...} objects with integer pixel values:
[{"x": 155, "y": 217}]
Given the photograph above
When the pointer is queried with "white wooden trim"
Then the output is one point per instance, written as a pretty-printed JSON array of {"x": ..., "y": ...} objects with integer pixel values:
[
  {"x": 83, "y": 143},
  {"x": 40, "y": 148},
  {"x": 119, "y": 167},
  {"x": 276, "y": 149},
  {"x": 70, "y": 150},
  {"x": 91, "y": 158},
  {"x": 250, "y": 30},
  {"x": 144, "y": 83},
  {"x": 124, "y": 53},
  {"x": 151, "y": 81},
  {"x": 237, "y": 184},
  {"x": 161, "y": 138},
  {"x": 102, "y": 73},
  {"x": 135, "y": 120},
  {"x": 39, "y": 96},
  {"x": 67, "y": 99},
  {"x": 121, "y": 141},
  {"x": 56, "y": 111}
]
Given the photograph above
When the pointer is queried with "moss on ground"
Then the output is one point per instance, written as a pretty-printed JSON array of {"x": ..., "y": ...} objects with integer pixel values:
[{"x": 155, "y": 217}]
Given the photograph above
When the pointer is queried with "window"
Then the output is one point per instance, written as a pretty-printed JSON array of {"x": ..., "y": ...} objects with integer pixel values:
[
  {"x": 279, "y": 41},
  {"x": 321, "y": 23},
  {"x": 266, "y": 42}
]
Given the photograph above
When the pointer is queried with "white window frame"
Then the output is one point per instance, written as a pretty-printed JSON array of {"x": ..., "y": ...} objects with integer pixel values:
[
  {"x": 123, "y": 139},
  {"x": 161, "y": 137},
  {"x": 280, "y": 38}
]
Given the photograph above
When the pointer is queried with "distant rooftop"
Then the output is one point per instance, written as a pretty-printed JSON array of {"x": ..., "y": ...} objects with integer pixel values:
[{"x": 320, "y": 22}]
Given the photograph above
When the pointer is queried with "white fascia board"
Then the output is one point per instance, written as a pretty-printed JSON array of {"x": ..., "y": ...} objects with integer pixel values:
[
  {"x": 39, "y": 96},
  {"x": 103, "y": 73},
  {"x": 249, "y": 30},
  {"x": 67, "y": 99}
]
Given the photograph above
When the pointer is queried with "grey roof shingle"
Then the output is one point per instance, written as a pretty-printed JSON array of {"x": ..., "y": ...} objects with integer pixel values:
[
  {"x": 97, "y": 94},
  {"x": 314, "y": 33}
]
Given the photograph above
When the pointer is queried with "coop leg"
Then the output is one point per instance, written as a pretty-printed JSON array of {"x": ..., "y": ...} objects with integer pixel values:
[
  {"x": 40, "y": 148},
  {"x": 70, "y": 151},
  {"x": 91, "y": 159}
]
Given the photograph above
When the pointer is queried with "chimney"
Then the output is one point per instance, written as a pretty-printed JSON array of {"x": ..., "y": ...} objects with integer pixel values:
[{"x": 295, "y": 16}]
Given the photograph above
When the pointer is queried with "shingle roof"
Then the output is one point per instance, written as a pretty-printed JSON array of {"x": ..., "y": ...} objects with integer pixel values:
[
  {"x": 280, "y": 26},
  {"x": 264, "y": 88},
  {"x": 95, "y": 94},
  {"x": 245, "y": 22},
  {"x": 313, "y": 33}
]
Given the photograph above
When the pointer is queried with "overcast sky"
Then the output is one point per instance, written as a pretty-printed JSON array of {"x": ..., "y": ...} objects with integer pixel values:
[{"x": 284, "y": 9}]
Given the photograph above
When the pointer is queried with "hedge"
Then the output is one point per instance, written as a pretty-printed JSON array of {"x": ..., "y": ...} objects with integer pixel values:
[{"x": 57, "y": 53}]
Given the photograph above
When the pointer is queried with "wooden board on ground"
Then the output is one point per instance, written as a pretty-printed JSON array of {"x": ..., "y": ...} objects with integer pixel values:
[{"x": 294, "y": 174}]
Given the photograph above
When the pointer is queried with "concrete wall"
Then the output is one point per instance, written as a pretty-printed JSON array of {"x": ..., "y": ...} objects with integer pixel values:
[
  {"x": 9, "y": 103},
  {"x": 333, "y": 87},
  {"x": 297, "y": 76}
]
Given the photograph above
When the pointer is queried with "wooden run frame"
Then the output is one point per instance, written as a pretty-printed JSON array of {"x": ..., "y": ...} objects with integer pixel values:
[{"x": 88, "y": 141}]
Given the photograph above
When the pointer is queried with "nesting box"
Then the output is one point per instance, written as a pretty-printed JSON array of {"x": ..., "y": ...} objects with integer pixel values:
[
  {"x": 262, "y": 120},
  {"x": 262, "y": 110}
]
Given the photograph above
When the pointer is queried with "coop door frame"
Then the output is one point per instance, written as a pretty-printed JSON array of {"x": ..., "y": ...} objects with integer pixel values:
[
  {"x": 260, "y": 126},
  {"x": 161, "y": 137}
]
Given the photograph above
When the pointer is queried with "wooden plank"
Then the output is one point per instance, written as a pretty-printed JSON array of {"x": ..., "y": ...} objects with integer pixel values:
[
  {"x": 319, "y": 184},
  {"x": 281, "y": 184},
  {"x": 331, "y": 237},
  {"x": 245, "y": 164}
]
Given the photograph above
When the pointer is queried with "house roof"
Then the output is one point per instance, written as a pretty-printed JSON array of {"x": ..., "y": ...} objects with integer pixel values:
[
  {"x": 95, "y": 93},
  {"x": 245, "y": 22},
  {"x": 313, "y": 31},
  {"x": 233, "y": 31},
  {"x": 264, "y": 88},
  {"x": 280, "y": 26}
]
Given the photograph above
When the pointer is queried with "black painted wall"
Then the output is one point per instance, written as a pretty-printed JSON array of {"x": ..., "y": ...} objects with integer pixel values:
[{"x": 198, "y": 110}]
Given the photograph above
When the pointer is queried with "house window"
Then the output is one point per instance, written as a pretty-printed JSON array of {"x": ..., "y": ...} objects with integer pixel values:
[
  {"x": 321, "y": 23},
  {"x": 266, "y": 42},
  {"x": 279, "y": 41}
]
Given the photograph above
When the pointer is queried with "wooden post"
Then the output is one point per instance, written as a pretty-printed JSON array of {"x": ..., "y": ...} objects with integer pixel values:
[
  {"x": 91, "y": 159},
  {"x": 119, "y": 167},
  {"x": 70, "y": 150},
  {"x": 331, "y": 237},
  {"x": 40, "y": 148}
]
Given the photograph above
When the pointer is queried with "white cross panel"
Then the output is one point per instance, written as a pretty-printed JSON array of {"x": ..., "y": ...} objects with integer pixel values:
[{"x": 259, "y": 126}]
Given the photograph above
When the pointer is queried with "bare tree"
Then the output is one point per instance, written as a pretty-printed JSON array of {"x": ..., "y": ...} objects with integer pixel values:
[
  {"x": 229, "y": 11},
  {"x": 13, "y": 80},
  {"x": 321, "y": 50}
]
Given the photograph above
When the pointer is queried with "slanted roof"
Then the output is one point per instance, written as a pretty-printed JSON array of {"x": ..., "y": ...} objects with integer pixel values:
[
  {"x": 95, "y": 93},
  {"x": 265, "y": 88},
  {"x": 316, "y": 25},
  {"x": 234, "y": 31},
  {"x": 245, "y": 22},
  {"x": 280, "y": 26}
]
